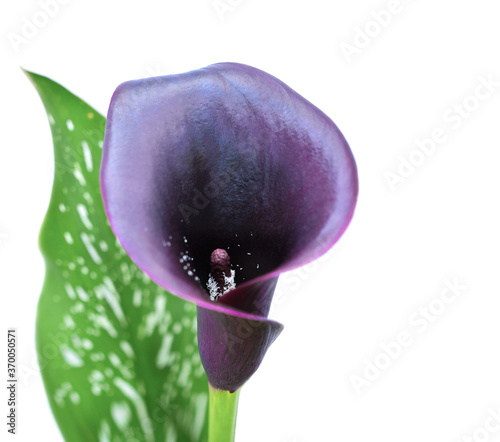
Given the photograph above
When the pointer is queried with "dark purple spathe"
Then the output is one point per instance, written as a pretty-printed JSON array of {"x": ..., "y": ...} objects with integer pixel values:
[{"x": 225, "y": 157}]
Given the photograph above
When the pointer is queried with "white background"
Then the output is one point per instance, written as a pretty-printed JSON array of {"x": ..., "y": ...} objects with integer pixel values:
[{"x": 438, "y": 223}]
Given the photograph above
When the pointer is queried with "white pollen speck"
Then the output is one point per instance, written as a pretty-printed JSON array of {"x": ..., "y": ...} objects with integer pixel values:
[
  {"x": 62, "y": 208},
  {"x": 213, "y": 288},
  {"x": 87, "y": 156},
  {"x": 248, "y": 253},
  {"x": 103, "y": 245},
  {"x": 258, "y": 265},
  {"x": 68, "y": 238},
  {"x": 70, "y": 125},
  {"x": 51, "y": 119},
  {"x": 74, "y": 397}
]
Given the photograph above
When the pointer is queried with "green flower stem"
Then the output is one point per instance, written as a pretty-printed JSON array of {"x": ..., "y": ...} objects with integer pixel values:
[{"x": 222, "y": 411}]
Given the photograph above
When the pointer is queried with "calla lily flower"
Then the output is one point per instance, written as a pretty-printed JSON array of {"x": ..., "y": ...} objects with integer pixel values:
[{"x": 216, "y": 181}]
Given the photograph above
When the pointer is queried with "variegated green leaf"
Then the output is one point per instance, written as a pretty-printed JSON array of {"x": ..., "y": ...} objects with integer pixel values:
[{"x": 118, "y": 354}]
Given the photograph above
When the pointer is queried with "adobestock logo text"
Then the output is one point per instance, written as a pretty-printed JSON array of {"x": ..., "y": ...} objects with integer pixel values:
[
  {"x": 392, "y": 350},
  {"x": 365, "y": 34},
  {"x": 453, "y": 118},
  {"x": 30, "y": 26}
]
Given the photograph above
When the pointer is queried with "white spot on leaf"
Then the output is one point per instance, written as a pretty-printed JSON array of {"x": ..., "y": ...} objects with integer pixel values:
[
  {"x": 127, "y": 349},
  {"x": 77, "y": 173},
  {"x": 120, "y": 412},
  {"x": 68, "y": 321},
  {"x": 68, "y": 238},
  {"x": 184, "y": 374},
  {"x": 140, "y": 407},
  {"x": 84, "y": 216},
  {"x": 199, "y": 415},
  {"x": 103, "y": 322},
  {"x": 87, "y": 156},
  {"x": 70, "y": 291},
  {"x": 70, "y": 356},
  {"x": 137, "y": 299},
  {"x": 104, "y": 432},
  {"x": 162, "y": 358},
  {"x": 90, "y": 248},
  {"x": 82, "y": 294}
]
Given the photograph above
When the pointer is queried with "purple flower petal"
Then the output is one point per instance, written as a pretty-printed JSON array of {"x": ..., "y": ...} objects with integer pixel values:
[
  {"x": 232, "y": 347},
  {"x": 225, "y": 157}
]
